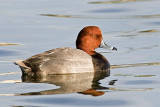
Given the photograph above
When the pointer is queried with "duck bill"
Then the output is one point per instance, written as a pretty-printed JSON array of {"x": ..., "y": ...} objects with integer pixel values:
[{"x": 105, "y": 46}]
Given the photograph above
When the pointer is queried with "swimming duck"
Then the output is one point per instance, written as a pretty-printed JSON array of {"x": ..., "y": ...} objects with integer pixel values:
[{"x": 68, "y": 60}]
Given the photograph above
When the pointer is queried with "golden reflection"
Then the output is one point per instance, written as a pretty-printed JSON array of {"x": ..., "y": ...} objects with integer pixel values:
[
  {"x": 134, "y": 65},
  {"x": 116, "y": 89},
  {"x": 85, "y": 83},
  {"x": 7, "y": 94},
  {"x": 6, "y": 61},
  {"x": 149, "y": 31},
  {"x": 146, "y": 16},
  {"x": 97, "y": 17},
  {"x": 55, "y": 15},
  {"x": 144, "y": 75},
  {"x": 75, "y": 16},
  {"x": 114, "y": 1},
  {"x": 7, "y": 44},
  {"x": 11, "y": 81},
  {"x": 9, "y": 73},
  {"x": 126, "y": 75}
]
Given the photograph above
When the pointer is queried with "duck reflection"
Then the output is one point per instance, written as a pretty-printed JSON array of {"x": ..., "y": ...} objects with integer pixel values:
[{"x": 84, "y": 83}]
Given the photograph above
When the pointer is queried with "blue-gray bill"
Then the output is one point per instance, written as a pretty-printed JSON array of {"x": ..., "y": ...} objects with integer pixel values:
[{"x": 104, "y": 45}]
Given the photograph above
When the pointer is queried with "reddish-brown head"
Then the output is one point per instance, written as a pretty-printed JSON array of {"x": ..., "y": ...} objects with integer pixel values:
[{"x": 89, "y": 38}]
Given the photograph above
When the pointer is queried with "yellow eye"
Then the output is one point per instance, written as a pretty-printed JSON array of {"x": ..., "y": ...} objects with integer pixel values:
[{"x": 95, "y": 36}]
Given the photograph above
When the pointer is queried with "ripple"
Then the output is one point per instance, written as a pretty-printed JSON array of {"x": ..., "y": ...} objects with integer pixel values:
[
  {"x": 120, "y": 89},
  {"x": 7, "y": 53},
  {"x": 155, "y": 23},
  {"x": 9, "y": 73},
  {"x": 126, "y": 75},
  {"x": 147, "y": 16},
  {"x": 7, "y": 94},
  {"x": 11, "y": 81},
  {"x": 109, "y": 10},
  {"x": 134, "y": 33},
  {"x": 77, "y": 101},
  {"x": 149, "y": 31},
  {"x": 103, "y": 17},
  {"x": 134, "y": 65},
  {"x": 56, "y": 15},
  {"x": 144, "y": 75},
  {"x": 8, "y": 44},
  {"x": 72, "y": 16},
  {"x": 115, "y": 1},
  {"x": 139, "y": 82}
]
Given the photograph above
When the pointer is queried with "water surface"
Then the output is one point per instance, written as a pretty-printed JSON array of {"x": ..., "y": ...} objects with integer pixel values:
[{"x": 29, "y": 27}]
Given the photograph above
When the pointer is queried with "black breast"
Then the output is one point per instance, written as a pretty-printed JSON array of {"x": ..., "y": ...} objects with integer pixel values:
[{"x": 100, "y": 62}]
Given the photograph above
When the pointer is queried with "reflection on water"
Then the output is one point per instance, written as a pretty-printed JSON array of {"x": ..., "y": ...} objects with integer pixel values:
[
  {"x": 72, "y": 16},
  {"x": 55, "y": 15},
  {"x": 84, "y": 83},
  {"x": 118, "y": 89},
  {"x": 7, "y": 52},
  {"x": 149, "y": 31},
  {"x": 78, "y": 101},
  {"x": 9, "y": 73},
  {"x": 126, "y": 75},
  {"x": 109, "y": 10},
  {"x": 145, "y": 75},
  {"x": 10, "y": 81},
  {"x": 134, "y": 65},
  {"x": 8, "y": 44},
  {"x": 138, "y": 33},
  {"x": 132, "y": 25},
  {"x": 115, "y": 1},
  {"x": 107, "y": 17},
  {"x": 7, "y": 94}
]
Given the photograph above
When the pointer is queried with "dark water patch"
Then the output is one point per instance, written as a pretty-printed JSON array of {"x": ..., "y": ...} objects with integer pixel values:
[
  {"x": 24, "y": 106},
  {"x": 148, "y": 47},
  {"x": 77, "y": 101},
  {"x": 8, "y": 53},
  {"x": 141, "y": 48},
  {"x": 154, "y": 23}
]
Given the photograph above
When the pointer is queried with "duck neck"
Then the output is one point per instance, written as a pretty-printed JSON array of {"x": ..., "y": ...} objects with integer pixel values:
[{"x": 88, "y": 51}]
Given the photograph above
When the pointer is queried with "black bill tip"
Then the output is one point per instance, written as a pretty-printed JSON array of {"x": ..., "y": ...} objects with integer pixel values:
[{"x": 114, "y": 48}]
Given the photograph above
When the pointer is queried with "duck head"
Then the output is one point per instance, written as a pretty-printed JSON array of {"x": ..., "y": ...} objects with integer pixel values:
[{"x": 90, "y": 38}]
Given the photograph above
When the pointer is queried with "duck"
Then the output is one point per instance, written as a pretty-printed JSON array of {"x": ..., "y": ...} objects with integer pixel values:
[{"x": 67, "y": 60}]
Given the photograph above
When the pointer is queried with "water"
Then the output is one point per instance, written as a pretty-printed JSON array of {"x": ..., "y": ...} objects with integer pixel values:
[{"x": 34, "y": 26}]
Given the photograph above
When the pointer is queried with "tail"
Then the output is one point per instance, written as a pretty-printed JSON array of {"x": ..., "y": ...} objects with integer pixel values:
[
  {"x": 22, "y": 65},
  {"x": 18, "y": 62}
]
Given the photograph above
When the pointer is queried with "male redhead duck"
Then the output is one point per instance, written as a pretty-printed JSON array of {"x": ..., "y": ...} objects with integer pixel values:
[{"x": 69, "y": 60}]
